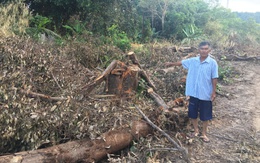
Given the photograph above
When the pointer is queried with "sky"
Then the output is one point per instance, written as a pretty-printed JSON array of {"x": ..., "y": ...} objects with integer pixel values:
[{"x": 242, "y": 5}]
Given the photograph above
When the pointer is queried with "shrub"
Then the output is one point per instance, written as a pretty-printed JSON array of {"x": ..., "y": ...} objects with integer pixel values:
[{"x": 119, "y": 38}]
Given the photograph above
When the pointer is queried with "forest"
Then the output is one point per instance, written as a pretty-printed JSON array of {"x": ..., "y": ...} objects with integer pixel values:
[
  {"x": 120, "y": 22},
  {"x": 247, "y": 15},
  {"x": 58, "y": 58}
]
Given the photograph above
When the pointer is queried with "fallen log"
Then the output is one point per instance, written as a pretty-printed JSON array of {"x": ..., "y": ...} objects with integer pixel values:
[
  {"x": 239, "y": 58},
  {"x": 83, "y": 150}
]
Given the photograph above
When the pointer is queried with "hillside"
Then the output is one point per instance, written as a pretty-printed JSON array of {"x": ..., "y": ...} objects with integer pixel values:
[{"x": 248, "y": 15}]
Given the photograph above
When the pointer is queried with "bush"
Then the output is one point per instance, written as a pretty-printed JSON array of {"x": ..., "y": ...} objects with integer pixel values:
[{"x": 119, "y": 38}]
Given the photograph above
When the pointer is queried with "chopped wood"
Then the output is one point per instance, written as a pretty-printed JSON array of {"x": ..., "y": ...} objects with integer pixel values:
[
  {"x": 83, "y": 150},
  {"x": 125, "y": 82},
  {"x": 121, "y": 79}
]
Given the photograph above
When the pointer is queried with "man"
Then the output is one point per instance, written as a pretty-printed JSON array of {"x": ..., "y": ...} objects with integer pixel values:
[{"x": 200, "y": 86}]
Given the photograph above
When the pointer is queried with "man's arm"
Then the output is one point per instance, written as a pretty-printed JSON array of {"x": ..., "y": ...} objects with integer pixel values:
[
  {"x": 170, "y": 64},
  {"x": 214, "y": 84}
]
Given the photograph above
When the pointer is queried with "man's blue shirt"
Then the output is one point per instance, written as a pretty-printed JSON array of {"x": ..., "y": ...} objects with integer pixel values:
[{"x": 199, "y": 79}]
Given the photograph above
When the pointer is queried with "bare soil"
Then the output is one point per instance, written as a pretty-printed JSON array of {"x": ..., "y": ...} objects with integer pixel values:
[{"x": 235, "y": 129}]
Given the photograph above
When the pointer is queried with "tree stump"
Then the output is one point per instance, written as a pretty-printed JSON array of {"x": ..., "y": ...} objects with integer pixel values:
[{"x": 123, "y": 80}]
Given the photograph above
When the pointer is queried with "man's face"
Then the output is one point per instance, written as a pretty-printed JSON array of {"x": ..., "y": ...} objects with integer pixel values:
[{"x": 204, "y": 50}]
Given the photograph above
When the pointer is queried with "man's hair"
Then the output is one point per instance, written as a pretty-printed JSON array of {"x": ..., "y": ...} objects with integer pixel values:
[{"x": 204, "y": 43}]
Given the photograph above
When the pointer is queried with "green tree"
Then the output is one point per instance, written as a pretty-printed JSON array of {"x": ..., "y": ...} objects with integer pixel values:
[{"x": 157, "y": 8}]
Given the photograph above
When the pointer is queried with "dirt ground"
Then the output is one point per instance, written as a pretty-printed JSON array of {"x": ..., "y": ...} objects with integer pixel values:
[{"x": 235, "y": 129}]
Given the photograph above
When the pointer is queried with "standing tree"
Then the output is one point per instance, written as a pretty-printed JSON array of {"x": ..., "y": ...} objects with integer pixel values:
[{"x": 157, "y": 8}]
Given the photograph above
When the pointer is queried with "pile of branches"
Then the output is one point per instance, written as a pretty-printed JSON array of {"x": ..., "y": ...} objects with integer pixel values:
[
  {"x": 39, "y": 95},
  {"x": 42, "y": 104}
]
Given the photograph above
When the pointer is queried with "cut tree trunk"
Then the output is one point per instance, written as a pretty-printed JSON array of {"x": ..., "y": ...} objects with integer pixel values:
[
  {"x": 83, "y": 150},
  {"x": 122, "y": 80}
]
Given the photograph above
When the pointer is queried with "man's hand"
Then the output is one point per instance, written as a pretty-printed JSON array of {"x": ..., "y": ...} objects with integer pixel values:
[
  {"x": 213, "y": 96},
  {"x": 168, "y": 64},
  {"x": 214, "y": 83}
]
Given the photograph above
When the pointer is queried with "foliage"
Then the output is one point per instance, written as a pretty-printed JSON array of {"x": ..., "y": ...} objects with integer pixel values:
[
  {"x": 119, "y": 38},
  {"x": 226, "y": 71},
  {"x": 14, "y": 18},
  {"x": 140, "y": 21},
  {"x": 78, "y": 28},
  {"x": 192, "y": 34},
  {"x": 247, "y": 15},
  {"x": 38, "y": 28},
  {"x": 157, "y": 9},
  {"x": 184, "y": 13},
  {"x": 77, "y": 31}
]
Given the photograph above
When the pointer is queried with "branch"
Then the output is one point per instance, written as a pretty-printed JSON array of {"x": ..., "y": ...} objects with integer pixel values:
[
  {"x": 147, "y": 79},
  {"x": 43, "y": 96},
  {"x": 181, "y": 149},
  {"x": 56, "y": 81},
  {"x": 89, "y": 87},
  {"x": 134, "y": 59},
  {"x": 222, "y": 137},
  {"x": 162, "y": 149},
  {"x": 157, "y": 99}
]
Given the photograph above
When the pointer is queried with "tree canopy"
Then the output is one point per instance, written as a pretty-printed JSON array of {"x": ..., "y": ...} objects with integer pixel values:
[{"x": 141, "y": 20}]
